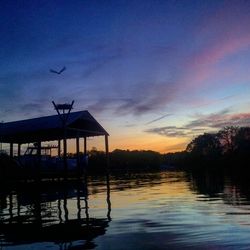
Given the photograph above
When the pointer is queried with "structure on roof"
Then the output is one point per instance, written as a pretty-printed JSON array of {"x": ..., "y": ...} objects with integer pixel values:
[{"x": 77, "y": 125}]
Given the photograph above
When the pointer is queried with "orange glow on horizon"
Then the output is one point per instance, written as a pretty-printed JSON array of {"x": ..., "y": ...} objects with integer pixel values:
[{"x": 148, "y": 142}]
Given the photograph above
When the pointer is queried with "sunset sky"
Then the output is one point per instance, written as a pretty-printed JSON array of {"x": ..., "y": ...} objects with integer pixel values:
[{"x": 153, "y": 73}]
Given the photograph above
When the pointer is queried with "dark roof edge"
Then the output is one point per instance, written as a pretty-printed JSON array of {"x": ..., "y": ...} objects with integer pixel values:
[
  {"x": 48, "y": 116},
  {"x": 97, "y": 122}
]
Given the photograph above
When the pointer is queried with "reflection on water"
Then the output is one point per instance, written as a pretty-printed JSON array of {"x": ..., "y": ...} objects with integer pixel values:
[{"x": 168, "y": 210}]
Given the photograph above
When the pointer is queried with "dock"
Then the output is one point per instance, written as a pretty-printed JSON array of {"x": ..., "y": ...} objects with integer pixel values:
[{"x": 56, "y": 128}]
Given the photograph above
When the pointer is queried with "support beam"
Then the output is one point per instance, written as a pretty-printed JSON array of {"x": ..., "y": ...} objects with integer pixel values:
[
  {"x": 39, "y": 153},
  {"x": 65, "y": 156},
  {"x": 107, "y": 177},
  {"x": 108, "y": 197},
  {"x": 19, "y": 150},
  {"x": 11, "y": 150},
  {"x": 107, "y": 152},
  {"x": 59, "y": 148},
  {"x": 11, "y": 208},
  {"x": 85, "y": 146},
  {"x": 65, "y": 207},
  {"x": 79, "y": 208},
  {"x": 59, "y": 153},
  {"x": 39, "y": 156},
  {"x": 59, "y": 211},
  {"x": 85, "y": 173},
  {"x": 86, "y": 193},
  {"x": 78, "y": 155}
]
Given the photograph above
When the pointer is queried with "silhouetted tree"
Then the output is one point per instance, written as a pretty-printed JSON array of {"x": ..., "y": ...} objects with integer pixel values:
[
  {"x": 135, "y": 159},
  {"x": 205, "y": 145},
  {"x": 242, "y": 140},
  {"x": 227, "y": 137},
  {"x": 125, "y": 160},
  {"x": 229, "y": 147},
  {"x": 97, "y": 160}
]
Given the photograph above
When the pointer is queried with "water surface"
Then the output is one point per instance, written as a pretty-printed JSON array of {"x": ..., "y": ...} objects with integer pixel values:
[{"x": 167, "y": 210}]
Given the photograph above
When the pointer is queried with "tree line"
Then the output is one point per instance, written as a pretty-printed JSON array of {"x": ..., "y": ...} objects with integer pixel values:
[
  {"x": 119, "y": 160},
  {"x": 125, "y": 160},
  {"x": 230, "y": 145}
]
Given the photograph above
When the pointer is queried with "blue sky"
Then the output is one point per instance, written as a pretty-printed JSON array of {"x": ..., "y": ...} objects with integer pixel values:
[{"x": 154, "y": 73}]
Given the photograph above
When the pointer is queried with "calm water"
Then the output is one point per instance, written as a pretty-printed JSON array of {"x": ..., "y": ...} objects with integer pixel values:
[{"x": 168, "y": 210}]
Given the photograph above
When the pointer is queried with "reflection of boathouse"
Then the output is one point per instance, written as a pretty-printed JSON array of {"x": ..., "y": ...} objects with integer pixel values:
[
  {"x": 42, "y": 213},
  {"x": 76, "y": 125}
]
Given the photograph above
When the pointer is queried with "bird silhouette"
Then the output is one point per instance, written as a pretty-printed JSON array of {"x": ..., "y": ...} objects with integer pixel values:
[{"x": 58, "y": 72}]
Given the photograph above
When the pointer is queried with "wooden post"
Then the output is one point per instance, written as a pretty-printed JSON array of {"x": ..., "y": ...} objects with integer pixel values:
[
  {"x": 86, "y": 206},
  {"x": 85, "y": 161},
  {"x": 18, "y": 208},
  {"x": 37, "y": 212},
  {"x": 85, "y": 145},
  {"x": 65, "y": 157},
  {"x": 108, "y": 197},
  {"x": 66, "y": 211},
  {"x": 79, "y": 201},
  {"x": 19, "y": 150},
  {"x": 11, "y": 150},
  {"x": 11, "y": 208},
  {"x": 59, "y": 210},
  {"x": 107, "y": 152},
  {"x": 39, "y": 156},
  {"x": 107, "y": 177},
  {"x": 77, "y": 154},
  {"x": 59, "y": 148},
  {"x": 39, "y": 153}
]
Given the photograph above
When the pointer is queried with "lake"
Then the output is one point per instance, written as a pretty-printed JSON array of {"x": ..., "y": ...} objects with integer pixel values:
[{"x": 164, "y": 210}]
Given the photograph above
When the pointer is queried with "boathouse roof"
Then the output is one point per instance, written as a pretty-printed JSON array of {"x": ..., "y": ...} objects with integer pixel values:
[{"x": 50, "y": 128}]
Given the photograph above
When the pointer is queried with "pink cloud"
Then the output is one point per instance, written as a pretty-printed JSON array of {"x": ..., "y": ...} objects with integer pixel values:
[
  {"x": 202, "y": 66},
  {"x": 220, "y": 120},
  {"x": 221, "y": 49},
  {"x": 224, "y": 34},
  {"x": 204, "y": 123}
]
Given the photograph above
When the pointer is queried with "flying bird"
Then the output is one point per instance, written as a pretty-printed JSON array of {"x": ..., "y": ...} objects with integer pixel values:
[{"x": 58, "y": 72}]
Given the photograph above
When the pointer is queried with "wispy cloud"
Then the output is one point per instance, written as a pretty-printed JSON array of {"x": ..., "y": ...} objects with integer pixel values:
[
  {"x": 220, "y": 120},
  {"x": 158, "y": 119},
  {"x": 105, "y": 104},
  {"x": 31, "y": 108},
  {"x": 204, "y": 123},
  {"x": 99, "y": 63},
  {"x": 169, "y": 131},
  {"x": 147, "y": 97},
  {"x": 138, "y": 99}
]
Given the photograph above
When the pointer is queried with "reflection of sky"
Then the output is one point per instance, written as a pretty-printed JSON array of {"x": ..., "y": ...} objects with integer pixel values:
[
  {"x": 168, "y": 210},
  {"x": 165, "y": 213},
  {"x": 154, "y": 73}
]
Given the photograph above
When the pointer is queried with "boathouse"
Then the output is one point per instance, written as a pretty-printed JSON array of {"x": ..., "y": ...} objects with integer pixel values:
[{"x": 78, "y": 125}]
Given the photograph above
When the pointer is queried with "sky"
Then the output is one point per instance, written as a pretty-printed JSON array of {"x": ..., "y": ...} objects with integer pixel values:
[{"x": 155, "y": 74}]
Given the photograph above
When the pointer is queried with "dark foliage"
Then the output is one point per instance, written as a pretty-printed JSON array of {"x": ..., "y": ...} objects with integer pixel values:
[
  {"x": 135, "y": 159},
  {"x": 206, "y": 145},
  {"x": 228, "y": 147},
  {"x": 125, "y": 160}
]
